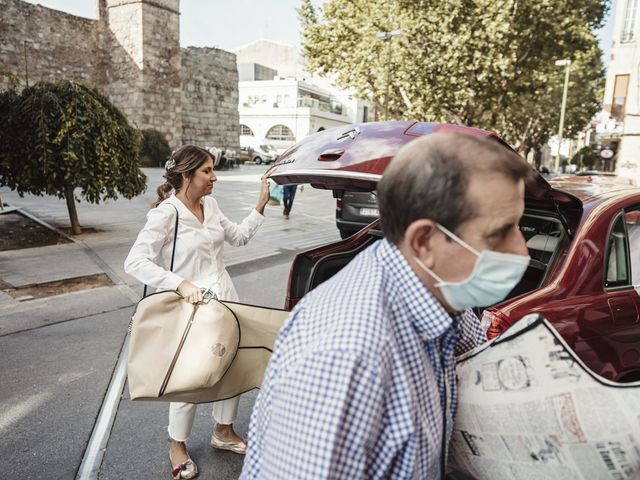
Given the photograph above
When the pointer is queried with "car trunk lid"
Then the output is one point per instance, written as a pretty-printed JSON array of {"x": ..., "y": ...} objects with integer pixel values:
[{"x": 355, "y": 156}]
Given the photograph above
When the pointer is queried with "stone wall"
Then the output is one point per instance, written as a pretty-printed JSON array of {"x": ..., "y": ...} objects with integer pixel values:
[
  {"x": 161, "y": 70},
  {"x": 132, "y": 53},
  {"x": 143, "y": 77},
  {"x": 58, "y": 46},
  {"x": 210, "y": 97}
]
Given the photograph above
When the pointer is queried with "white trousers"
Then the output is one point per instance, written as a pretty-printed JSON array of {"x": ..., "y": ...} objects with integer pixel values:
[{"x": 181, "y": 416}]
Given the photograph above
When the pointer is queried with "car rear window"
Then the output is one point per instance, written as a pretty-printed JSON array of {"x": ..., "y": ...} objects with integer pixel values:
[{"x": 542, "y": 236}]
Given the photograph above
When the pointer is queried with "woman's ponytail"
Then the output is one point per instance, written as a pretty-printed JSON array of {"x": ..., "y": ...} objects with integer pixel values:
[{"x": 164, "y": 192}]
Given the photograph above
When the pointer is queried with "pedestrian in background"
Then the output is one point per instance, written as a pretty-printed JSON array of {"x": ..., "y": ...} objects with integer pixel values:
[
  {"x": 288, "y": 194},
  {"x": 361, "y": 383},
  {"x": 198, "y": 263}
]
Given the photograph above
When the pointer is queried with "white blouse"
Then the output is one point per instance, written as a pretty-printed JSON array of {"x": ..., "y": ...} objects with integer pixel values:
[{"x": 198, "y": 258}]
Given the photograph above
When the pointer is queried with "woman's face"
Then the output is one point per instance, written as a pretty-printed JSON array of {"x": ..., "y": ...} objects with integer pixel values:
[{"x": 201, "y": 183}]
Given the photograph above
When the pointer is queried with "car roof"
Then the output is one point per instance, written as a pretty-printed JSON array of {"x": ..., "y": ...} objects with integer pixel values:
[{"x": 588, "y": 190}]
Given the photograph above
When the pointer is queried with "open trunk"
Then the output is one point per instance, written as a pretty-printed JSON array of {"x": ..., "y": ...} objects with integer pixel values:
[{"x": 353, "y": 158}]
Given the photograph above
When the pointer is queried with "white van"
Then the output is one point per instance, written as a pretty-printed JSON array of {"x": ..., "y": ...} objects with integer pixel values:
[{"x": 257, "y": 150}]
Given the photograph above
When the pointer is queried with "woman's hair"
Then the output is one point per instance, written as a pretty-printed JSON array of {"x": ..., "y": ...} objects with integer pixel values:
[{"x": 187, "y": 159}]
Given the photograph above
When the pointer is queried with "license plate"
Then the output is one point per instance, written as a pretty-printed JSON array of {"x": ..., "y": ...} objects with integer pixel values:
[{"x": 369, "y": 212}]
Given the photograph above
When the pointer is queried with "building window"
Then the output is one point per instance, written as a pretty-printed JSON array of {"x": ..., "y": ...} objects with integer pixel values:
[
  {"x": 280, "y": 132},
  {"x": 365, "y": 114},
  {"x": 620, "y": 88},
  {"x": 244, "y": 130},
  {"x": 629, "y": 29}
]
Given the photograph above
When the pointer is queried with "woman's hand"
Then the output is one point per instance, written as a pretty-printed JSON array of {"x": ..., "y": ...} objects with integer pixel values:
[
  {"x": 190, "y": 292},
  {"x": 264, "y": 195}
]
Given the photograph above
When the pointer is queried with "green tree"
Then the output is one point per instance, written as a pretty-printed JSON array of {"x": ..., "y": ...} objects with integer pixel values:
[
  {"x": 585, "y": 157},
  {"x": 68, "y": 140},
  {"x": 485, "y": 63},
  {"x": 155, "y": 150}
]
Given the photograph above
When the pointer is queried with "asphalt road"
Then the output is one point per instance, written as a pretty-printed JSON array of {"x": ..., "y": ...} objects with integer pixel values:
[{"x": 58, "y": 354}]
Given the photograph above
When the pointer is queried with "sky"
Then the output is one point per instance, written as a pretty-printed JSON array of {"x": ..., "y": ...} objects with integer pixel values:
[
  {"x": 230, "y": 24},
  {"x": 226, "y": 24}
]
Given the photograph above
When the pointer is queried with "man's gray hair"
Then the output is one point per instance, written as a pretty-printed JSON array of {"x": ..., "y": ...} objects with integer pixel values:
[{"x": 429, "y": 178}]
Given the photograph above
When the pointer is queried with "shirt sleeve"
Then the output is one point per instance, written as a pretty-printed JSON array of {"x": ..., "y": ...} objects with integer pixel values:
[
  {"x": 238, "y": 235},
  {"x": 319, "y": 420},
  {"x": 470, "y": 333},
  {"x": 141, "y": 261}
]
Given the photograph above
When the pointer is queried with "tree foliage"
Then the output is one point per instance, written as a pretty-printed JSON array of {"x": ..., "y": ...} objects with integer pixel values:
[
  {"x": 585, "y": 157},
  {"x": 155, "y": 150},
  {"x": 485, "y": 63},
  {"x": 68, "y": 140}
]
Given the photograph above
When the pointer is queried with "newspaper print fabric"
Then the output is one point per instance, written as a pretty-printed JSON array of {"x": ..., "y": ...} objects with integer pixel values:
[{"x": 529, "y": 408}]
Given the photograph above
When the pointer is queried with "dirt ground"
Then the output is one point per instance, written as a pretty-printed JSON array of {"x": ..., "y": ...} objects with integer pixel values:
[{"x": 18, "y": 231}]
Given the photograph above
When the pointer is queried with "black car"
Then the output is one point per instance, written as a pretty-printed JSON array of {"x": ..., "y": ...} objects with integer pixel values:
[{"x": 354, "y": 210}]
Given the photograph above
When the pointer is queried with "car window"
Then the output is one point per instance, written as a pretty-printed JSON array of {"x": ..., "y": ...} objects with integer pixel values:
[
  {"x": 542, "y": 236},
  {"x": 632, "y": 222},
  {"x": 617, "y": 271}
]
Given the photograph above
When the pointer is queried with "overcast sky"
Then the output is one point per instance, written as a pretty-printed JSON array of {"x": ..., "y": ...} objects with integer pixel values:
[{"x": 229, "y": 24}]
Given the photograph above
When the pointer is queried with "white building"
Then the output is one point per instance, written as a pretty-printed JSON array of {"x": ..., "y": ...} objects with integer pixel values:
[
  {"x": 622, "y": 89},
  {"x": 291, "y": 104}
]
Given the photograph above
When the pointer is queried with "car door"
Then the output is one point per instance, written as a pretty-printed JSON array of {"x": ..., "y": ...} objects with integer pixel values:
[{"x": 622, "y": 286}]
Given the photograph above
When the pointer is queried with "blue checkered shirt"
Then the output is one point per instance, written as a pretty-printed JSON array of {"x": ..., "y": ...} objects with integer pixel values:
[{"x": 361, "y": 375}]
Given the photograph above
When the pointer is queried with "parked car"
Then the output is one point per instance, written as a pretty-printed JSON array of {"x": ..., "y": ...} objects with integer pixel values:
[
  {"x": 257, "y": 150},
  {"x": 223, "y": 158},
  {"x": 355, "y": 210},
  {"x": 591, "y": 173},
  {"x": 583, "y": 238}
]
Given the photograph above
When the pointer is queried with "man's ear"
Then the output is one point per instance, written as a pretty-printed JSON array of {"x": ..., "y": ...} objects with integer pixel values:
[{"x": 419, "y": 238}]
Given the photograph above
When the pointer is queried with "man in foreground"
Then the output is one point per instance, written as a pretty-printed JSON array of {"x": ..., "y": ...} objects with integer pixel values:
[{"x": 361, "y": 383}]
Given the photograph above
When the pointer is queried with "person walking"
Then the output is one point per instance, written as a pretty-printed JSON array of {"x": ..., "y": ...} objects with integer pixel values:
[
  {"x": 288, "y": 194},
  {"x": 198, "y": 263},
  {"x": 361, "y": 383}
]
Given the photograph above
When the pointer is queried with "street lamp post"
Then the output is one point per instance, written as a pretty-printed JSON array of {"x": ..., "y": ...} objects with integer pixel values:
[
  {"x": 566, "y": 64},
  {"x": 387, "y": 36}
]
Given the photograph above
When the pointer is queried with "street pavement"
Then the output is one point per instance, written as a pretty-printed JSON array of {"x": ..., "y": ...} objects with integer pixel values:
[{"x": 58, "y": 353}]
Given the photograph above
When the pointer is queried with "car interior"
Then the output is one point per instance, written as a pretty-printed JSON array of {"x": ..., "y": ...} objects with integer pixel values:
[
  {"x": 542, "y": 234},
  {"x": 331, "y": 264}
]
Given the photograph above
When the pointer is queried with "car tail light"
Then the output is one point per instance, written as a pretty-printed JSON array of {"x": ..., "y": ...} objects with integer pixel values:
[
  {"x": 338, "y": 204},
  {"x": 492, "y": 323}
]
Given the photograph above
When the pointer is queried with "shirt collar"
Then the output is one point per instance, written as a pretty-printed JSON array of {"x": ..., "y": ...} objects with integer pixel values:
[
  {"x": 428, "y": 316},
  {"x": 172, "y": 199}
]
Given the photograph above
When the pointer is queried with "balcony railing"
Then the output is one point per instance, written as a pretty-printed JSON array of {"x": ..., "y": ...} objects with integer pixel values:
[
  {"x": 332, "y": 107},
  {"x": 304, "y": 102}
]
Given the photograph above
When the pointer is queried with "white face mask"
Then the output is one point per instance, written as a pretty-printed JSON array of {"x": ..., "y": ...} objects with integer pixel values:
[{"x": 494, "y": 275}]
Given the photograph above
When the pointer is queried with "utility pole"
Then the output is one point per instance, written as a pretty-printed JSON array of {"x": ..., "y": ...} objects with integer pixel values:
[
  {"x": 566, "y": 64},
  {"x": 387, "y": 36}
]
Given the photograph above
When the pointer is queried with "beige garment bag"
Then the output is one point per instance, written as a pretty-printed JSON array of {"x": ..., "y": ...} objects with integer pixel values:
[{"x": 180, "y": 352}]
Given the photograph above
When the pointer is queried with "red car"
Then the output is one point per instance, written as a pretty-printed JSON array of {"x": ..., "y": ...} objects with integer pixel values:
[{"x": 583, "y": 237}]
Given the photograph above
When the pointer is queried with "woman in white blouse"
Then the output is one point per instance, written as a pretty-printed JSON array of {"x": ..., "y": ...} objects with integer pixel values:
[{"x": 198, "y": 263}]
